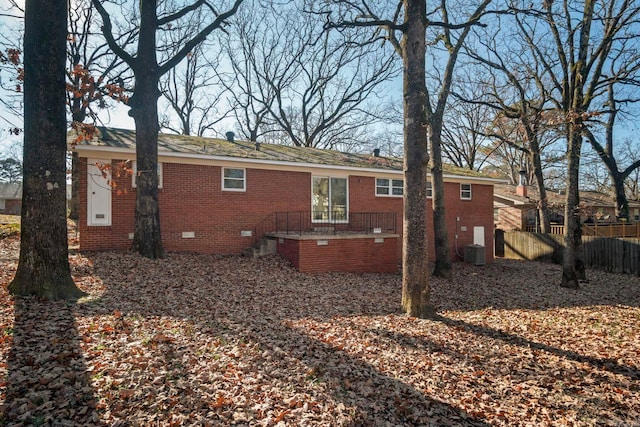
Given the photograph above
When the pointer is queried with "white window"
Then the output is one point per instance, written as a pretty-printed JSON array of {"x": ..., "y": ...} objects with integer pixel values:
[
  {"x": 389, "y": 187},
  {"x": 465, "y": 191},
  {"x": 429, "y": 190},
  {"x": 3, "y": 206},
  {"x": 98, "y": 194},
  {"x": 233, "y": 179},
  {"x": 329, "y": 199},
  {"x": 134, "y": 167}
]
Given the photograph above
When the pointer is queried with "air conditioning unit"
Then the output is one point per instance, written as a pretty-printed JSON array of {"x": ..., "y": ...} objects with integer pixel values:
[{"x": 474, "y": 254}]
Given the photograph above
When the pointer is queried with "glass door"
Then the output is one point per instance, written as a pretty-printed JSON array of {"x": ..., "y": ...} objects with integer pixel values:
[{"x": 329, "y": 199}]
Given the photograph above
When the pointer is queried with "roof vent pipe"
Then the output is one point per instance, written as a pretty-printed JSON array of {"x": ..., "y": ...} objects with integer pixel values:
[
  {"x": 376, "y": 152},
  {"x": 230, "y": 135},
  {"x": 257, "y": 146}
]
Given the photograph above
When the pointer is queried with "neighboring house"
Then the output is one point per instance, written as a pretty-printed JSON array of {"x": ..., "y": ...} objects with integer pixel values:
[
  {"x": 323, "y": 210},
  {"x": 10, "y": 198},
  {"x": 515, "y": 207}
]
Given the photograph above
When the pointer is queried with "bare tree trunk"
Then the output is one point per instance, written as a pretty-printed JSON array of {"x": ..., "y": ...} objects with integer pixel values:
[
  {"x": 147, "y": 239},
  {"x": 443, "y": 266},
  {"x": 43, "y": 267},
  {"x": 144, "y": 107},
  {"x": 415, "y": 274},
  {"x": 572, "y": 230},
  {"x": 621, "y": 202},
  {"x": 543, "y": 203}
]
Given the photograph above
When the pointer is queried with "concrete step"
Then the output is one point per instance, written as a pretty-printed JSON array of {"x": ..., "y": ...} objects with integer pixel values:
[{"x": 266, "y": 246}]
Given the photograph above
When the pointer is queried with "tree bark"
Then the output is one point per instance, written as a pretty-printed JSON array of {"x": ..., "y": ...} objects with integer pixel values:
[
  {"x": 443, "y": 267},
  {"x": 573, "y": 267},
  {"x": 416, "y": 298},
  {"x": 620, "y": 197},
  {"x": 43, "y": 267},
  {"x": 571, "y": 260},
  {"x": 543, "y": 203},
  {"x": 147, "y": 238}
]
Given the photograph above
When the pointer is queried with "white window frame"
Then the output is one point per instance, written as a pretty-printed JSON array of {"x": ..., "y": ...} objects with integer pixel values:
[
  {"x": 134, "y": 167},
  {"x": 389, "y": 187},
  {"x": 465, "y": 193},
  {"x": 3, "y": 204},
  {"x": 243, "y": 180},
  {"x": 429, "y": 190},
  {"x": 330, "y": 219}
]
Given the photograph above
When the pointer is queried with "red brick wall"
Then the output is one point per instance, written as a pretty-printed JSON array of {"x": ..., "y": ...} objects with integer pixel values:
[
  {"x": 358, "y": 255},
  {"x": 472, "y": 213},
  {"x": 475, "y": 212},
  {"x": 510, "y": 218},
  {"x": 192, "y": 200},
  {"x": 12, "y": 207},
  {"x": 289, "y": 249}
]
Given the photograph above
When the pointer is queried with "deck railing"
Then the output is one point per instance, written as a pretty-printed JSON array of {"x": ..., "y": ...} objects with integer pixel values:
[{"x": 326, "y": 222}]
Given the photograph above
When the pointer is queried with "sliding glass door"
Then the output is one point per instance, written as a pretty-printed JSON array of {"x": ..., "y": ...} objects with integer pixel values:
[{"x": 329, "y": 199}]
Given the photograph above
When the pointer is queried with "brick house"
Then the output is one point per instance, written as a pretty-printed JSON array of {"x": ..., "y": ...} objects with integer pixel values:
[
  {"x": 10, "y": 198},
  {"x": 323, "y": 210},
  {"x": 515, "y": 207}
]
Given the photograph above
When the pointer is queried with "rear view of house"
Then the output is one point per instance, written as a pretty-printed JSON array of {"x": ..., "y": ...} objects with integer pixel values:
[
  {"x": 10, "y": 198},
  {"x": 323, "y": 210}
]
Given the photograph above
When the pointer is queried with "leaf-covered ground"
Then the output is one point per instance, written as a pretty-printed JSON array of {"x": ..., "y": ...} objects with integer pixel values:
[{"x": 205, "y": 340}]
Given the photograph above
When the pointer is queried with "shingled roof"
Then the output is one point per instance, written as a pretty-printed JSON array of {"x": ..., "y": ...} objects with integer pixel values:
[
  {"x": 588, "y": 198},
  {"x": 183, "y": 144},
  {"x": 10, "y": 191}
]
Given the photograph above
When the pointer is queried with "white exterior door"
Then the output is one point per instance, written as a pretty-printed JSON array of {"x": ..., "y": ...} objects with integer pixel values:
[{"x": 98, "y": 195}]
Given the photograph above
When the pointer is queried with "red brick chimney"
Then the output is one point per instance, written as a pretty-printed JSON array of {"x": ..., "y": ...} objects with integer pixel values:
[{"x": 521, "y": 189}]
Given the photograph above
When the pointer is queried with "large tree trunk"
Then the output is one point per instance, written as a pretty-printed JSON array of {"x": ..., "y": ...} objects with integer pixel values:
[
  {"x": 43, "y": 267},
  {"x": 443, "y": 266},
  {"x": 572, "y": 260},
  {"x": 147, "y": 238},
  {"x": 416, "y": 299}
]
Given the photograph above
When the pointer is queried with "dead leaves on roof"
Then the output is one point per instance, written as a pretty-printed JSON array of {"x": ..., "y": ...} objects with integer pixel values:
[{"x": 204, "y": 340}]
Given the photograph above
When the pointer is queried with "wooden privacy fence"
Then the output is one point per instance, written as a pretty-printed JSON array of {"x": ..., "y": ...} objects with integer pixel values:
[
  {"x": 619, "y": 229},
  {"x": 616, "y": 255}
]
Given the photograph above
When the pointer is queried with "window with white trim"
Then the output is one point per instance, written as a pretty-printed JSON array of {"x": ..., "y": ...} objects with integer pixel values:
[
  {"x": 465, "y": 191},
  {"x": 134, "y": 167},
  {"x": 329, "y": 199},
  {"x": 429, "y": 190},
  {"x": 234, "y": 179},
  {"x": 3, "y": 205},
  {"x": 389, "y": 187}
]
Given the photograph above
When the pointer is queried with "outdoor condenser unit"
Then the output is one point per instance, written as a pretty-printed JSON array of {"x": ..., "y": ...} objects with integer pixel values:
[{"x": 474, "y": 254}]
